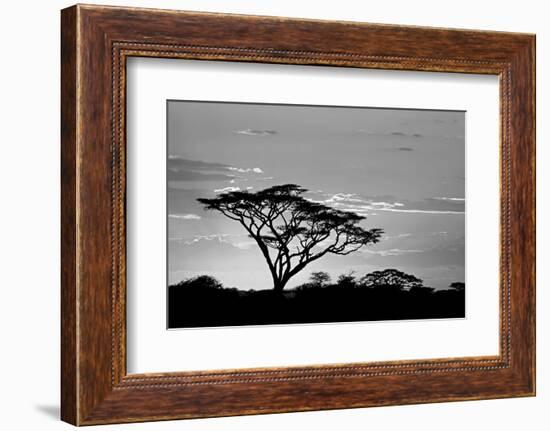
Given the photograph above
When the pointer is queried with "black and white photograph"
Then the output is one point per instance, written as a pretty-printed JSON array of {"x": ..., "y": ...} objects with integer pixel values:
[{"x": 293, "y": 214}]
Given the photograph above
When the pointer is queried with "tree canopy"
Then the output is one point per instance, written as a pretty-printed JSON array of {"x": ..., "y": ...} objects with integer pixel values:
[
  {"x": 290, "y": 230},
  {"x": 391, "y": 277},
  {"x": 319, "y": 278}
]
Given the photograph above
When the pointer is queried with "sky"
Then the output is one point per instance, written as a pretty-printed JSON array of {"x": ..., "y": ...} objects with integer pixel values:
[{"x": 404, "y": 170}]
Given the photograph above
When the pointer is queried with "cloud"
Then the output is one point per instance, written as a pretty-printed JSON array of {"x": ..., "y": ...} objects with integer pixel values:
[
  {"x": 187, "y": 175},
  {"x": 197, "y": 165},
  {"x": 239, "y": 241},
  {"x": 391, "y": 252},
  {"x": 449, "y": 199},
  {"x": 184, "y": 216},
  {"x": 242, "y": 170},
  {"x": 180, "y": 169},
  {"x": 422, "y": 211},
  {"x": 227, "y": 189},
  {"x": 352, "y": 202},
  {"x": 365, "y": 206},
  {"x": 410, "y": 135},
  {"x": 255, "y": 132},
  {"x": 192, "y": 240},
  {"x": 266, "y": 179},
  {"x": 393, "y": 133},
  {"x": 244, "y": 245},
  {"x": 342, "y": 197},
  {"x": 398, "y": 236}
]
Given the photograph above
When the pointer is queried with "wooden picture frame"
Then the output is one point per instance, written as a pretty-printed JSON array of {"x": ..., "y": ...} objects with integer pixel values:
[{"x": 95, "y": 43}]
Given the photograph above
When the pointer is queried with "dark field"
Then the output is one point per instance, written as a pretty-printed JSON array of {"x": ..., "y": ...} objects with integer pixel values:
[{"x": 204, "y": 302}]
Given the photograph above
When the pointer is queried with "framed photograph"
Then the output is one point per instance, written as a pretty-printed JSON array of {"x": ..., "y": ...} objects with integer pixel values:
[
  {"x": 285, "y": 237},
  {"x": 264, "y": 215}
]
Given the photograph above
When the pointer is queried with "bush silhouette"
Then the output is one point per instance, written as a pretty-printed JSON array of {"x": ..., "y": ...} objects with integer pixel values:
[
  {"x": 201, "y": 282},
  {"x": 458, "y": 286},
  {"x": 319, "y": 278}
]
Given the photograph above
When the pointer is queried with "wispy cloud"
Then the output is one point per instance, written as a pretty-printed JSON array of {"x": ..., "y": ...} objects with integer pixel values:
[
  {"x": 198, "y": 238},
  {"x": 242, "y": 242},
  {"x": 407, "y": 134},
  {"x": 227, "y": 189},
  {"x": 411, "y": 135},
  {"x": 449, "y": 199},
  {"x": 398, "y": 236},
  {"x": 244, "y": 245},
  {"x": 175, "y": 161},
  {"x": 364, "y": 206},
  {"x": 245, "y": 170},
  {"x": 184, "y": 216},
  {"x": 390, "y": 252},
  {"x": 255, "y": 132},
  {"x": 342, "y": 197},
  {"x": 391, "y": 133},
  {"x": 181, "y": 169},
  {"x": 421, "y": 211}
]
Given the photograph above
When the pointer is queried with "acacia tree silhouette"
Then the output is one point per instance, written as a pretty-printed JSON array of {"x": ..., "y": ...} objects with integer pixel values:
[{"x": 290, "y": 230}]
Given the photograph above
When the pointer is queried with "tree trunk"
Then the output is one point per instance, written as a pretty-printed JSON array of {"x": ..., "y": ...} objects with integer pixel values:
[{"x": 279, "y": 285}]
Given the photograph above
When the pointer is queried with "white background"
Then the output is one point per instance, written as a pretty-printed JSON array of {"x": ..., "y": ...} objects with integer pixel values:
[
  {"x": 151, "y": 348},
  {"x": 29, "y": 225}
]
